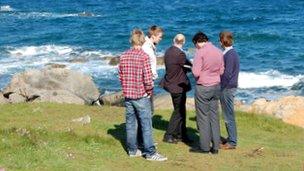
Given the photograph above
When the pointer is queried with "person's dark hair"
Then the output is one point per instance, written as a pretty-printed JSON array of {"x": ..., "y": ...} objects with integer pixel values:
[
  {"x": 199, "y": 37},
  {"x": 154, "y": 30}
]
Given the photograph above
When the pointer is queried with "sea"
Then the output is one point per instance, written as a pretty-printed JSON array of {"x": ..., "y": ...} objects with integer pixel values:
[{"x": 268, "y": 38}]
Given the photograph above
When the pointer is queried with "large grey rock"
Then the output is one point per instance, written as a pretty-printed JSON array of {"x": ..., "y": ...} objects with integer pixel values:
[
  {"x": 59, "y": 96},
  {"x": 54, "y": 85}
]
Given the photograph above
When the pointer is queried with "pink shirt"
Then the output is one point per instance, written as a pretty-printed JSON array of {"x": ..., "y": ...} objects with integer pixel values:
[{"x": 208, "y": 65}]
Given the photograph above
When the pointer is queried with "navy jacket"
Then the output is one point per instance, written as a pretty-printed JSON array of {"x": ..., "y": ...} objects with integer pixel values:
[
  {"x": 229, "y": 79},
  {"x": 175, "y": 79}
]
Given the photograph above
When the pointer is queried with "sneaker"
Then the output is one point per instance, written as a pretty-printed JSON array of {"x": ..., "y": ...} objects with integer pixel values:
[
  {"x": 157, "y": 157},
  {"x": 137, "y": 154}
]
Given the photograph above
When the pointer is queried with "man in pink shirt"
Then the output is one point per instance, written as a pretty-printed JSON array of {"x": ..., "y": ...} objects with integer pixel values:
[{"x": 208, "y": 65}]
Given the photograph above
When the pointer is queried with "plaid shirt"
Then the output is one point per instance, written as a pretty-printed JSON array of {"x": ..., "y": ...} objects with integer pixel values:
[{"x": 135, "y": 74}]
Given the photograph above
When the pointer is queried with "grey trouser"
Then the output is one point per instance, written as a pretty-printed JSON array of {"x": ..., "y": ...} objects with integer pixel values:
[{"x": 207, "y": 117}]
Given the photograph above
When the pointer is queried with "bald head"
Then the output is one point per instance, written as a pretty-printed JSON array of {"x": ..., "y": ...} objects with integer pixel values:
[{"x": 179, "y": 39}]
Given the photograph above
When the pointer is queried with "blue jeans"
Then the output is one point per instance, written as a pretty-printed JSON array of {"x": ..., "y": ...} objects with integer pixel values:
[
  {"x": 227, "y": 103},
  {"x": 138, "y": 111}
]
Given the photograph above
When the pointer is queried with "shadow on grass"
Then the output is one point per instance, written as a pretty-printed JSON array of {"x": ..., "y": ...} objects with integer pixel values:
[
  {"x": 119, "y": 131},
  {"x": 161, "y": 124},
  {"x": 223, "y": 140}
]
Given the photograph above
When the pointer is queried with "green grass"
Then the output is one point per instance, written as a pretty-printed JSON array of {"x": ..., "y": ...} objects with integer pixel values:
[{"x": 43, "y": 137}]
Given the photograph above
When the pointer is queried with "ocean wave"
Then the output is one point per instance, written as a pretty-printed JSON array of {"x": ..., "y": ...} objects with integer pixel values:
[
  {"x": 6, "y": 8},
  {"x": 28, "y": 51},
  {"x": 37, "y": 15},
  {"x": 266, "y": 36},
  {"x": 56, "y": 50},
  {"x": 270, "y": 78},
  {"x": 22, "y": 58}
]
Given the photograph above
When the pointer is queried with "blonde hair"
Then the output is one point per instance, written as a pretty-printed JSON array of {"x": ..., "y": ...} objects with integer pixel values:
[
  {"x": 137, "y": 37},
  {"x": 179, "y": 39},
  {"x": 154, "y": 30}
]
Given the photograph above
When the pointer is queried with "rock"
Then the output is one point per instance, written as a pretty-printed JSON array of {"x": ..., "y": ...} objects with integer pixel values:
[
  {"x": 54, "y": 65},
  {"x": 78, "y": 60},
  {"x": 299, "y": 85},
  {"x": 164, "y": 101},
  {"x": 3, "y": 100},
  {"x": 115, "y": 99},
  {"x": 160, "y": 60},
  {"x": 16, "y": 98},
  {"x": 54, "y": 85},
  {"x": 114, "y": 60},
  {"x": 108, "y": 58},
  {"x": 290, "y": 109},
  {"x": 59, "y": 96},
  {"x": 83, "y": 120},
  {"x": 238, "y": 103}
]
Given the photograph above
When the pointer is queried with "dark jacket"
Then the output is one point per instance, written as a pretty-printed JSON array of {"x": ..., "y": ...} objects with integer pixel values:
[
  {"x": 229, "y": 79},
  {"x": 175, "y": 79}
]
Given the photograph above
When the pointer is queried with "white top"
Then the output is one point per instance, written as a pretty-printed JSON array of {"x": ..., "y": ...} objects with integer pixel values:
[
  {"x": 227, "y": 49},
  {"x": 149, "y": 48}
]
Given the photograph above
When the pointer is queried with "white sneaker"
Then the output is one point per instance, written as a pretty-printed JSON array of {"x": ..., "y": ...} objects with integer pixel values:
[
  {"x": 137, "y": 154},
  {"x": 157, "y": 157}
]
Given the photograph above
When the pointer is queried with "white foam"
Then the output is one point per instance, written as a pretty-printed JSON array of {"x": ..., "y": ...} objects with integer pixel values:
[
  {"x": 27, "y": 15},
  {"x": 39, "y": 50},
  {"x": 6, "y": 8},
  {"x": 23, "y": 58},
  {"x": 267, "y": 79}
]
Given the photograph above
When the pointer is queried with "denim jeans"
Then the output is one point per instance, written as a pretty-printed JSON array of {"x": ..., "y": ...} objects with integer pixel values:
[
  {"x": 138, "y": 112},
  {"x": 227, "y": 103}
]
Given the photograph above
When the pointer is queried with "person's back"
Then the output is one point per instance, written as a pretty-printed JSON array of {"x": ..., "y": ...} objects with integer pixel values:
[
  {"x": 208, "y": 65},
  {"x": 177, "y": 83},
  {"x": 176, "y": 78},
  {"x": 232, "y": 67},
  {"x": 133, "y": 65}
]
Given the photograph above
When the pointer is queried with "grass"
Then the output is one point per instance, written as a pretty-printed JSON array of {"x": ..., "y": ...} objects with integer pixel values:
[{"x": 43, "y": 137}]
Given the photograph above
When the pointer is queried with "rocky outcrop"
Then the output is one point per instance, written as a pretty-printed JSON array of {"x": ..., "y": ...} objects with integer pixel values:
[
  {"x": 114, "y": 61},
  {"x": 16, "y": 98},
  {"x": 114, "y": 99},
  {"x": 55, "y": 65},
  {"x": 50, "y": 84},
  {"x": 3, "y": 100},
  {"x": 164, "y": 101},
  {"x": 290, "y": 109}
]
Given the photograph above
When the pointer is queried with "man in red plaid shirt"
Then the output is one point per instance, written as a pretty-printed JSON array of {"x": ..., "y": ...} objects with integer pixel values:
[
  {"x": 136, "y": 80},
  {"x": 135, "y": 74}
]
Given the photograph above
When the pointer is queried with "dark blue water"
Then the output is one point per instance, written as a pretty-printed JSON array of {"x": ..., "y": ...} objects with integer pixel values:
[{"x": 268, "y": 36}]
